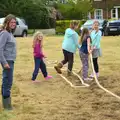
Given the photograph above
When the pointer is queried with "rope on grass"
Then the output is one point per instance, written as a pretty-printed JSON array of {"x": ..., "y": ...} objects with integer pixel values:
[
  {"x": 82, "y": 81},
  {"x": 97, "y": 82},
  {"x": 73, "y": 86},
  {"x": 51, "y": 61},
  {"x": 84, "y": 84}
]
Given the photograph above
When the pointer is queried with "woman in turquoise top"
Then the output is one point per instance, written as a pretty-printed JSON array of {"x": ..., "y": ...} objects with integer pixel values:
[
  {"x": 96, "y": 38},
  {"x": 69, "y": 46}
]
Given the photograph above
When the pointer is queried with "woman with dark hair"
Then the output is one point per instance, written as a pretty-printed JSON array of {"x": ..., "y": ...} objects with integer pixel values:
[{"x": 7, "y": 58}]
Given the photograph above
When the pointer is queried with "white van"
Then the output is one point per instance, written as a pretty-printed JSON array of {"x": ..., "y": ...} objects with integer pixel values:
[{"x": 21, "y": 29}]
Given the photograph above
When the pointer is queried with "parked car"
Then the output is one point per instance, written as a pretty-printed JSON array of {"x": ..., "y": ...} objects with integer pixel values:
[
  {"x": 21, "y": 29},
  {"x": 113, "y": 28},
  {"x": 88, "y": 24}
]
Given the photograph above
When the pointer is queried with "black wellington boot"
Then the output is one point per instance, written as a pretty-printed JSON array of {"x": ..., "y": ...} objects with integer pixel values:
[{"x": 7, "y": 103}]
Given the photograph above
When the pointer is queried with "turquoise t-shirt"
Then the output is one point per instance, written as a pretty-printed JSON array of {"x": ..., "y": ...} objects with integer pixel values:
[
  {"x": 96, "y": 37},
  {"x": 70, "y": 42}
]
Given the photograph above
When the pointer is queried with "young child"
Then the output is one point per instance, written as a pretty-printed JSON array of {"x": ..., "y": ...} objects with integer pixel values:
[
  {"x": 38, "y": 57},
  {"x": 84, "y": 52},
  {"x": 96, "y": 37},
  {"x": 69, "y": 46}
]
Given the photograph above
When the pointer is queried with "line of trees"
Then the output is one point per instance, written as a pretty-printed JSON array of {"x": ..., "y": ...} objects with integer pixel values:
[
  {"x": 41, "y": 13},
  {"x": 36, "y": 12}
]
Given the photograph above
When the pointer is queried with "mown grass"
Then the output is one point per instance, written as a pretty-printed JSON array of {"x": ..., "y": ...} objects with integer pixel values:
[{"x": 55, "y": 99}]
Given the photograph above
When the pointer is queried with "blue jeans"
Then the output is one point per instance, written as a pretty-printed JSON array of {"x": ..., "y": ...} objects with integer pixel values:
[
  {"x": 7, "y": 79},
  {"x": 39, "y": 64}
]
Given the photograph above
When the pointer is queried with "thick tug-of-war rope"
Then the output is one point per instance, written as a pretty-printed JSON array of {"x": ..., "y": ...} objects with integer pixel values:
[
  {"x": 81, "y": 79},
  {"x": 74, "y": 86},
  {"x": 97, "y": 82},
  {"x": 86, "y": 85},
  {"x": 71, "y": 84}
]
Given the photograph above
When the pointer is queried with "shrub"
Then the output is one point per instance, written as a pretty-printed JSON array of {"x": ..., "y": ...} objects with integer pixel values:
[{"x": 62, "y": 25}]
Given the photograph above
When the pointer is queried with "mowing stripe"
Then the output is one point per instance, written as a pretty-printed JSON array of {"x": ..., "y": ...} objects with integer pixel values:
[{"x": 97, "y": 82}]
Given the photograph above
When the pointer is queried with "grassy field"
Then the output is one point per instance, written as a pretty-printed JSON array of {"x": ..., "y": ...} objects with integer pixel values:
[{"x": 55, "y": 99}]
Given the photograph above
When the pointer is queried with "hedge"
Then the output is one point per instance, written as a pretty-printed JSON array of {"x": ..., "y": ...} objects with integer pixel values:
[{"x": 62, "y": 25}]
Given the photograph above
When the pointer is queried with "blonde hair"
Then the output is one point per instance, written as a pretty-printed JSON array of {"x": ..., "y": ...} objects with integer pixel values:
[
  {"x": 74, "y": 23},
  {"x": 35, "y": 38}
]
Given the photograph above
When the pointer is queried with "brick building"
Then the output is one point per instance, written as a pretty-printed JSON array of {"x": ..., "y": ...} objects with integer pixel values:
[{"x": 105, "y": 9}]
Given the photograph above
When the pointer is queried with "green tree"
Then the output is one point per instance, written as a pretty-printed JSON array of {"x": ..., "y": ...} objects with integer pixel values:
[
  {"x": 35, "y": 12},
  {"x": 75, "y": 9}
]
